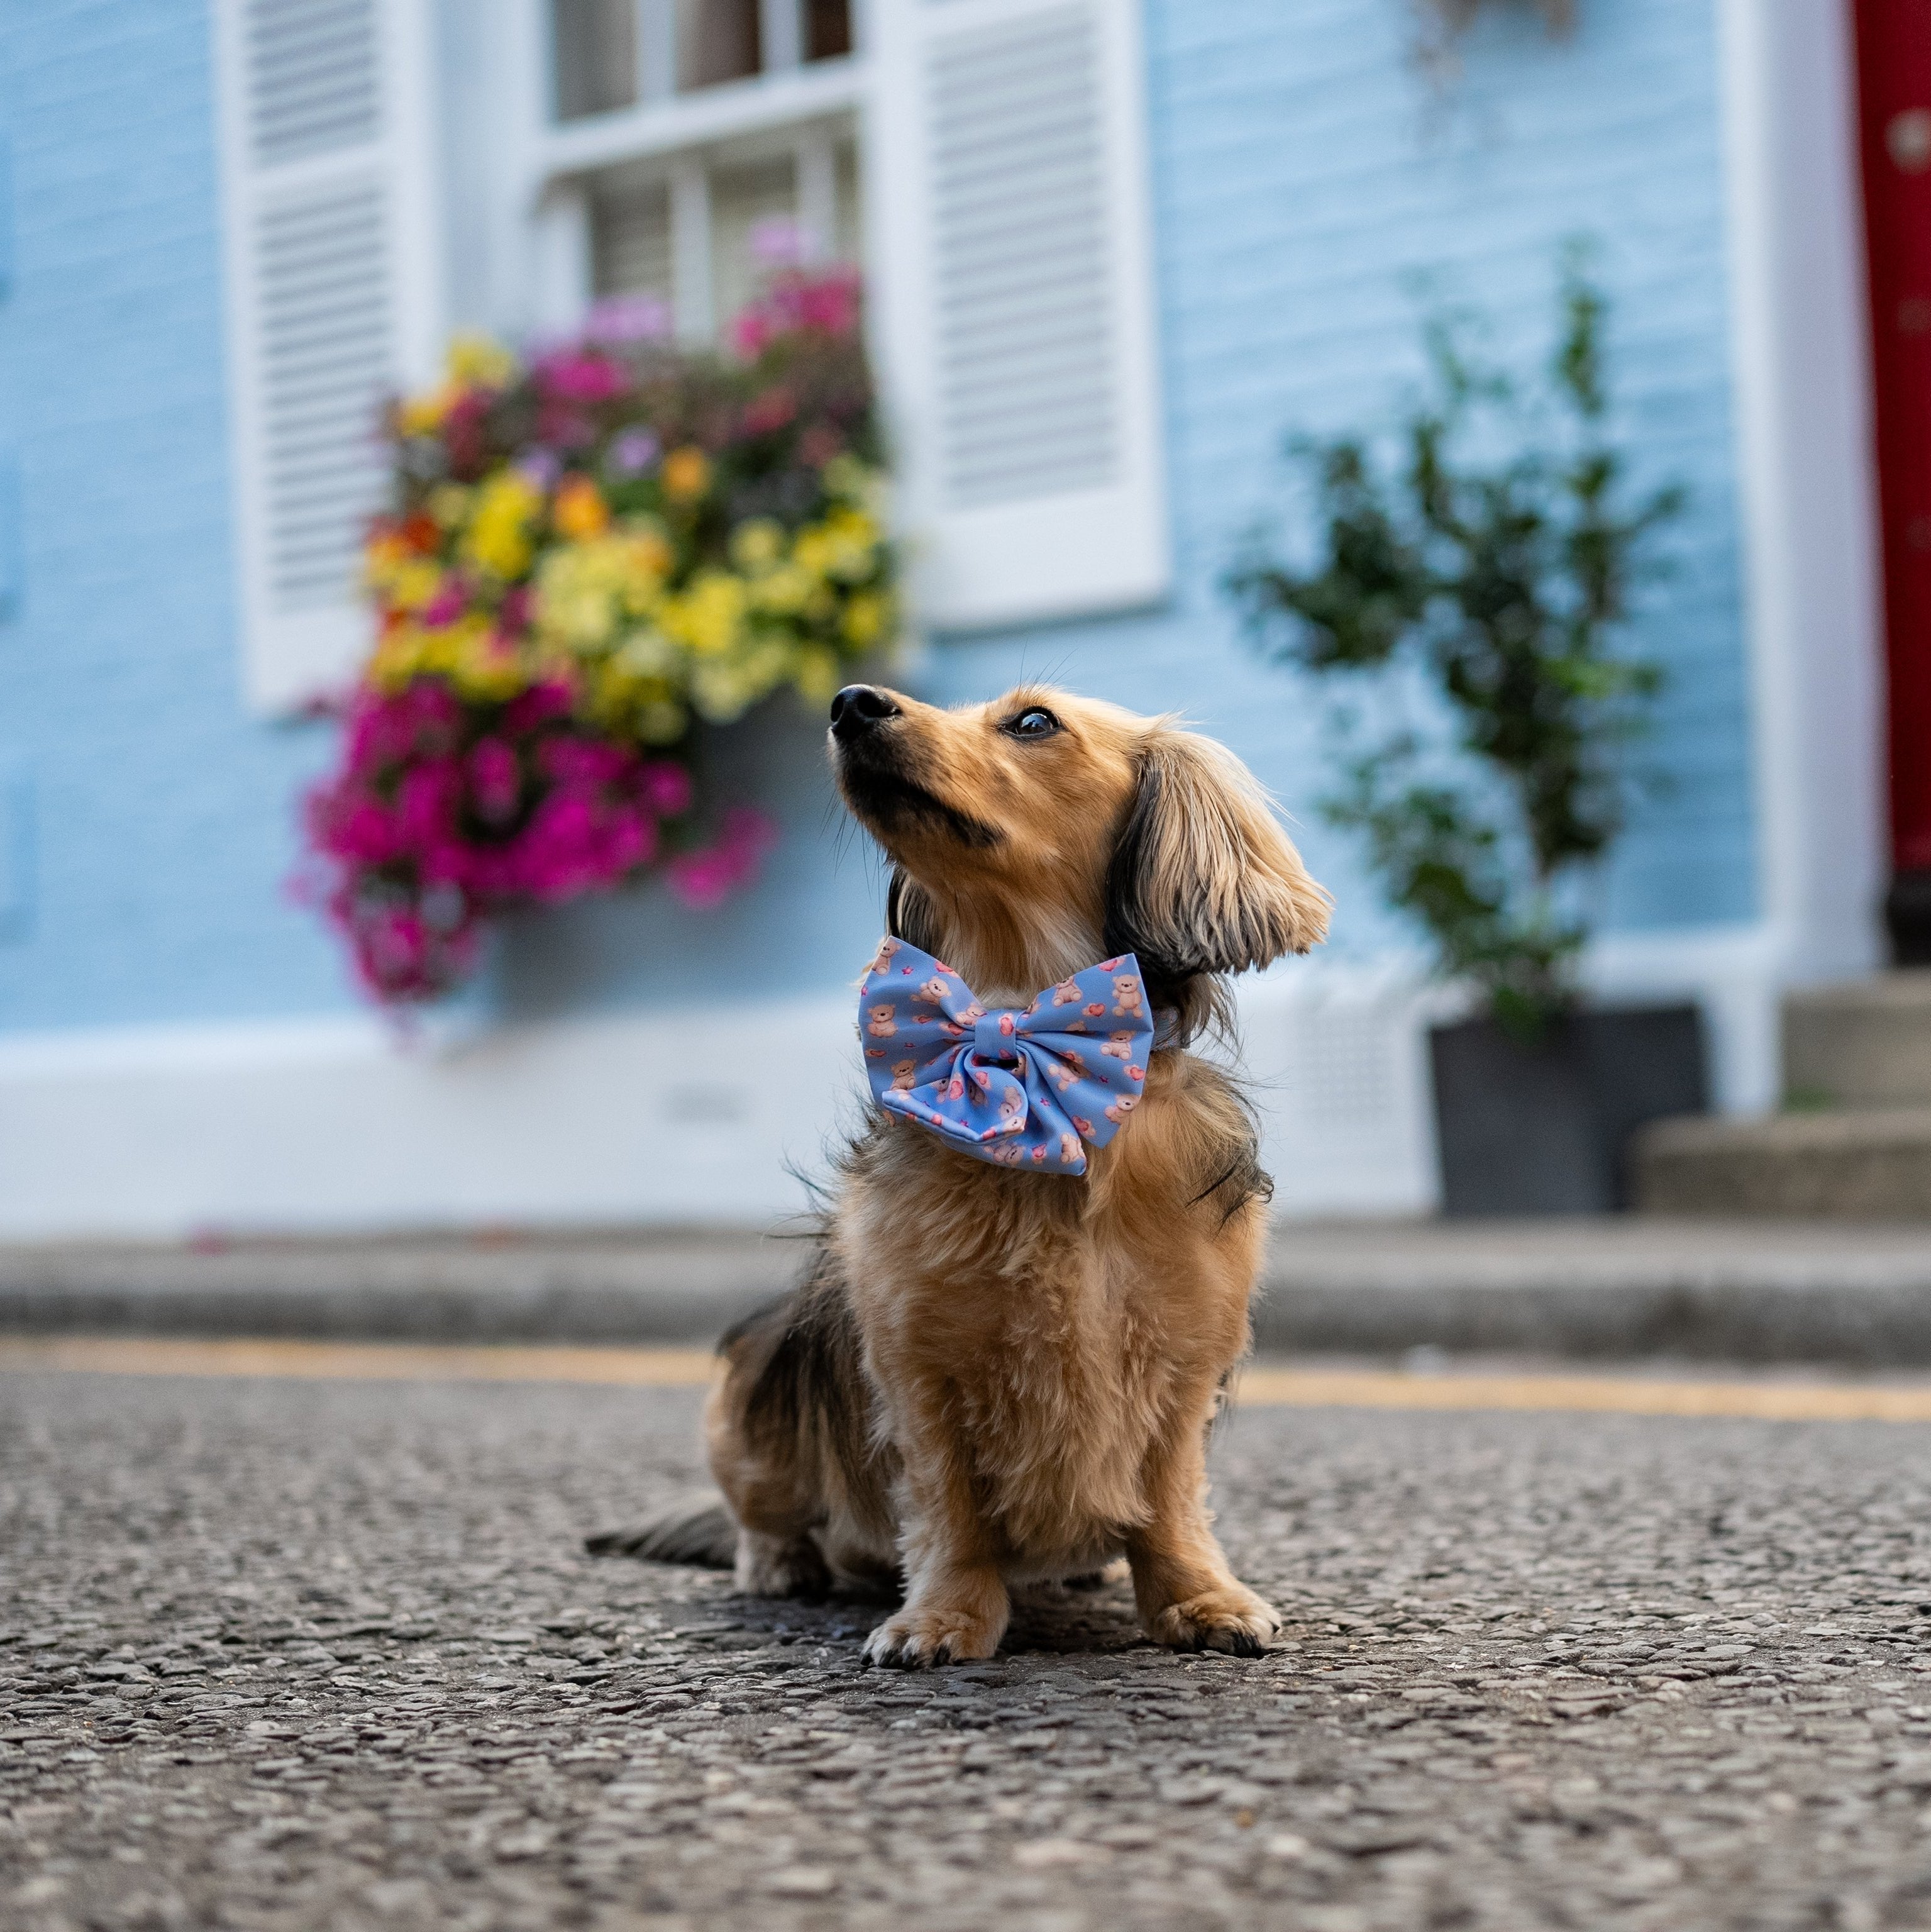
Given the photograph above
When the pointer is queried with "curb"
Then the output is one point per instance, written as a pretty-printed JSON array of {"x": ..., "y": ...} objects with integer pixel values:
[
  {"x": 687, "y": 1291},
  {"x": 1759, "y": 1292}
]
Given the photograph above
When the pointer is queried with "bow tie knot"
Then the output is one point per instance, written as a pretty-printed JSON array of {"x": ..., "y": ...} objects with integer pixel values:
[
  {"x": 995, "y": 1037},
  {"x": 1032, "y": 1089}
]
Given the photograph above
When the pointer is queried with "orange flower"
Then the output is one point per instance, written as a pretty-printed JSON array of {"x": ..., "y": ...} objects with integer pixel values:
[
  {"x": 580, "y": 510},
  {"x": 687, "y": 473},
  {"x": 421, "y": 533}
]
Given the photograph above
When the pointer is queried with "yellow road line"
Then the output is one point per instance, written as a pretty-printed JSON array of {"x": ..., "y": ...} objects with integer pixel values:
[
  {"x": 1258, "y": 1388},
  {"x": 356, "y": 1361},
  {"x": 1621, "y": 1395}
]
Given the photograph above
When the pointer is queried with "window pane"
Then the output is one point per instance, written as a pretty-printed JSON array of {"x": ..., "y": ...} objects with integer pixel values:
[
  {"x": 717, "y": 41},
  {"x": 630, "y": 241},
  {"x": 594, "y": 55},
  {"x": 753, "y": 217},
  {"x": 828, "y": 28}
]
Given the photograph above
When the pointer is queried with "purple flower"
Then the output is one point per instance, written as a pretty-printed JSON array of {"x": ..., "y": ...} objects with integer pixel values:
[
  {"x": 634, "y": 318},
  {"x": 541, "y": 466},
  {"x": 634, "y": 452},
  {"x": 776, "y": 243}
]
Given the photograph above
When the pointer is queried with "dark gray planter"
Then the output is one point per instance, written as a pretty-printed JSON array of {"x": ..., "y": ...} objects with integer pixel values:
[{"x": 1542, "y": 1129}]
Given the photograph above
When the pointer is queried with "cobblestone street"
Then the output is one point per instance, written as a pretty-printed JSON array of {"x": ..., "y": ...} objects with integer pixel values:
[{"x": 287, "y": 1654}]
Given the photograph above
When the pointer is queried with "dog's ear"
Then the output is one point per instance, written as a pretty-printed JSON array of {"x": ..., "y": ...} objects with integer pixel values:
[
  {"x": 1203, "y": 879},
  {"x": 909, "y": 914}
]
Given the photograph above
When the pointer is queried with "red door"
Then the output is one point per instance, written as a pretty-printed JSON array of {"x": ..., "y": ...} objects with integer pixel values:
[{"x": 1894, "y": 81}]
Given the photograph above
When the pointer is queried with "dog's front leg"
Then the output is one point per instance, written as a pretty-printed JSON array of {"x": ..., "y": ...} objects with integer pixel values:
[
  {"x": 1187, "y": 1595},
  {"x": 956, "y": 1606}
]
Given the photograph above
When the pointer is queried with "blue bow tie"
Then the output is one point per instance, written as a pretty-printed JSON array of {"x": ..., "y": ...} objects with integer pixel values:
[{"x": 1023, "y": 1089}]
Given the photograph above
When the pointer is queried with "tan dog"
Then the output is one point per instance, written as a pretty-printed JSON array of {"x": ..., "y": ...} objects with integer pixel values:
[{"x": 992, "y": 1377}]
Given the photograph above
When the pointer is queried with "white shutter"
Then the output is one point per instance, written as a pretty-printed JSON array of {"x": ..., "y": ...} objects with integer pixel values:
[
  {"x": 1011, "y": 288},
  {"x": 333, "y": 260}
]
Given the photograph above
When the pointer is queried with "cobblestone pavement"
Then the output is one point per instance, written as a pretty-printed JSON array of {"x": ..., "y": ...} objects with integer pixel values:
[{"x": 305, "y": 1655}]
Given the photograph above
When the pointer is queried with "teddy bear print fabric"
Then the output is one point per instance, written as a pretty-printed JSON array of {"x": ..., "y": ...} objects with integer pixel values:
[{"x": 1028, "y": 1089}]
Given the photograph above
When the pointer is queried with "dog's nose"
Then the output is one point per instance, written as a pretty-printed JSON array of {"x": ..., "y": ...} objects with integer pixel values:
[{"x": 859, "y": 707}]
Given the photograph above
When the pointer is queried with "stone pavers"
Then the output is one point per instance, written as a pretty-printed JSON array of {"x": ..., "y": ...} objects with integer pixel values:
[{"x": 325, "y": 1655}]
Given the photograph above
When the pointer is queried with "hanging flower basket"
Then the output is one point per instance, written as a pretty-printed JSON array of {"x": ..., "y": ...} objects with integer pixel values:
[{"x": 596, "y": 560}]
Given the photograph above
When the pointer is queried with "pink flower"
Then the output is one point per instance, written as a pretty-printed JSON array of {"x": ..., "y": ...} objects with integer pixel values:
[
  {"x": 496, "y": 780},
  {"x": 580, "y": 375},
  {"x": 665, "y": 788},
  {"x": 706, "y": 878},
  {"x": 447, "y": 605},
  {"x": 768, "y": 412},
  {"x": 823, "y": 302}
]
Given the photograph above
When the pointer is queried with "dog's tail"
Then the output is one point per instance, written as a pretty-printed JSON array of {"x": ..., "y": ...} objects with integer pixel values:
[{"x": 696, "y": 1529}]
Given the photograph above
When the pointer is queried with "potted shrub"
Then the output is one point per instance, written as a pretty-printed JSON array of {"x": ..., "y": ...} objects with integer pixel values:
[{"x": 1467, "y": 610}]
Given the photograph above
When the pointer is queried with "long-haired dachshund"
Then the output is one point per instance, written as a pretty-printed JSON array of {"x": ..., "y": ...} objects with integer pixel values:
[{"x": 991, "y": 1377}]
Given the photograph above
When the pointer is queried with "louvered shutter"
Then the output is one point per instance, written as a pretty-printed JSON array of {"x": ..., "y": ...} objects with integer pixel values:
[
  {"x": 334, "y": 257},
  {"x": 1012, "y": 291}
]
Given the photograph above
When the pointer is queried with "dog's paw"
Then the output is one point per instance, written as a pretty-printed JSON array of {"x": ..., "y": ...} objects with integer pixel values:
[
  {"x": 1232, "y": 1619},
  {"x": 919, "y": 1636}
]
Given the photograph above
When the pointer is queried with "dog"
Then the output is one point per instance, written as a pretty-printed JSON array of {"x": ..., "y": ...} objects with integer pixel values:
[{"x": 990, "y": 1378}]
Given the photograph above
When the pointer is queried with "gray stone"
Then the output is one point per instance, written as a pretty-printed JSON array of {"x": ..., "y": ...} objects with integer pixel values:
[{"x": 1430, "y": 1746}]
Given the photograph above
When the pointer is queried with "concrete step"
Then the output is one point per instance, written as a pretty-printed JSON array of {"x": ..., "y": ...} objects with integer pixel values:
[
  {"x": 1861, "y": 1164},
  {"x": 1864, "y": 1045},
  {"x": 1607, "y": 1286}
]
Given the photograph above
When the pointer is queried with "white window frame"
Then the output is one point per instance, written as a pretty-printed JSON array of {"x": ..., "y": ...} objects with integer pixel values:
[{"x": 689, "y": 134}]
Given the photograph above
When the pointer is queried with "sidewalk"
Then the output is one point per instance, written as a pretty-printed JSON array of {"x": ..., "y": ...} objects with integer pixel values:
[{"x": 1753, "y": 1290}]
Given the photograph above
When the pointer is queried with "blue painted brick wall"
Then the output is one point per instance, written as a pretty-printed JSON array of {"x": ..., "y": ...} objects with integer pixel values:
[
  {"x": 162, "y": 814},
  {"x": 1304, "y": 174},
  {"x": 1303, "y": 171}
]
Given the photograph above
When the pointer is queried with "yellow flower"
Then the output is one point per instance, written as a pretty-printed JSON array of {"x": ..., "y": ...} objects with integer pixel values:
[
  {"x": 422, "y": 414},
  {"x": 648, "y": 560},
  {"x": 580, "y": 510},
  {"x": 588, "y": 592},
  {"x": 845, "y": 546},
  {"x": 816, "y": 674},
  {"x": 498, "y": 535},
  {"x": 783, "y": 591},
  {"x": 865, "y": 616},
  {"x": 414, "y": 583},
  {"x": 647, "y": 654},
  {"x": 483, "y": 663},
  {"x": 449, "y": 505},
  {"x": 388, "y": 552},
  {"x": 660, "y": 721},
  {"x": 706, "y": 617},
  {"x": 686, "y": 473},
  {"x": 757, "y": 544},
  {"x": 475, "y": 361},
  {"x": 857, "y": 482}
]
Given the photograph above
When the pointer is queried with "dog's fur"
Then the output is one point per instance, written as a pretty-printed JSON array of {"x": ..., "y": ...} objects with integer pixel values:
[{"x": 991, "y": 1377}]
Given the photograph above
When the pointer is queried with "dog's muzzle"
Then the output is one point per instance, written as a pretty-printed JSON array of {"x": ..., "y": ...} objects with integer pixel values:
[{"x": 857, "y": 709}]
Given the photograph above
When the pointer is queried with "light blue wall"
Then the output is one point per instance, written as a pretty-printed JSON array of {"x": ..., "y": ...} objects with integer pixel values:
[
  {"x": 162, "y": 814},
  {"x": 1302, "y": 170}
]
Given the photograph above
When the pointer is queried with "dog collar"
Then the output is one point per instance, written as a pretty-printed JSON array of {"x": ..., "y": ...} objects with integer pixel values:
[{"x": 1030, "y": 1088}]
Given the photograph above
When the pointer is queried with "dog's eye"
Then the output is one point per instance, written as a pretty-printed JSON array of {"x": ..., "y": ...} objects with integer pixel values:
[{"x": 1034, "y": 722}]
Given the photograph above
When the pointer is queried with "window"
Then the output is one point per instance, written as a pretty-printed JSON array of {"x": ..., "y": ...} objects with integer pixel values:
[
  {"x": 610, "y": 54},
  {"x": 394, "y": 169},
  {"x": 696, "y": 145}
]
